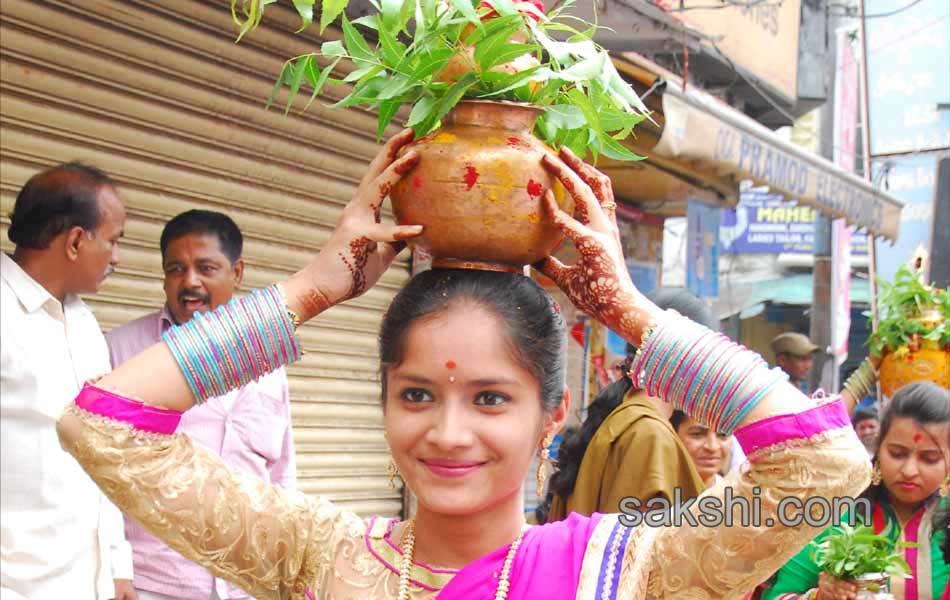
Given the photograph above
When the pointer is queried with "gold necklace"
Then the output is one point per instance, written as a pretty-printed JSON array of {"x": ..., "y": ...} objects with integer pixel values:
[{"x": 408, "y": 549}]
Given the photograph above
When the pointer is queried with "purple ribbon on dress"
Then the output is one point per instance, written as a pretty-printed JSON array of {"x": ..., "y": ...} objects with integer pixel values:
[{"x": 141, "y": 416}]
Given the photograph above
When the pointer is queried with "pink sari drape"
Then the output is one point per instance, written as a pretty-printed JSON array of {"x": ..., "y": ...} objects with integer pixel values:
[{"x": 549, "y": 559}]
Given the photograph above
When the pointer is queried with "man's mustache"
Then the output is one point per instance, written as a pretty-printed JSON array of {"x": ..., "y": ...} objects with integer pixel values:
[{"x": 182, "y": 297}]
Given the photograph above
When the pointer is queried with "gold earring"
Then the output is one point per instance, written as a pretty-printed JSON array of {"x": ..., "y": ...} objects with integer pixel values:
[
  {"x": 392, "y": 471},
  {"x": 876, "y": 475},
  {"x": 945, "y": 487},
  {"x": 545, "y": 454}
]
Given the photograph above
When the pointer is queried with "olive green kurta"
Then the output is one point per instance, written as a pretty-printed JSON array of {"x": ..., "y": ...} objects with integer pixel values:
[{"x": 635, "y": 452}]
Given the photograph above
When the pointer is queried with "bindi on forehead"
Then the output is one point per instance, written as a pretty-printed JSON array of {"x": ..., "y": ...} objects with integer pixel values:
[{"x": 450, "y": 364}]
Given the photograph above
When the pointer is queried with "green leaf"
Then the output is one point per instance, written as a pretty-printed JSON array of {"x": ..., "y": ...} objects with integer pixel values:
[
  {"x": 564, "y": 53},
  {"x": 565, "y": 116},
  {"x": 621, "y": 88},
  {"x": 577, "y": 140},
  {"x": 432, "y": 62},
  {"x": 355, "y": 42},
  {"x": 506, "y": 53},
  {"x": 394, "y": 51},
  {"x": 554, "y": 26},
  {"x": 511, "y": 23},
  {"x": 253, "y": 11},
  {"x": 612, "y": 119},
  {"x": 320, "y": 82},
  {"x": 331, "y": 49},
  {"x": 425, "y": 16},
  {"x": 387, "y": 110},
  {"x": 391, "y": 11},
  {"x": 421, "y": 111},
  {"x": 453, "y": 95},
  {"x": 284, "y": 75},
  {"x": 296, "y": 79},
  {"x": 468, "y": 10},
  {"x": 585, "y": 70},
  {"x": 368, "y": 21},
  {"x": 505, "y": 7},
  {"x": 583, "y": 103},
  {"x": 506, "y": 82},
  {"x": 396, "y": 87},
  {"x": 405, "y": 12},
  {"x": 489, "y": 47},
  {"x": 366, "y": 70},
  {"x": 330, "y": 11},
  {"x": 422, "y": 26},
  {"x": 305, "y": 10},
  {"x": 365, "y": 92},
  {"x": 312, "y": 71}
]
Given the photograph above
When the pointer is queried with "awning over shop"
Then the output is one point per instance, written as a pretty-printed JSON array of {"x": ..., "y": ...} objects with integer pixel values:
[
  {"x": 749, "y": 298},
  {"x": 701, "y": 128},
  {"x": 706, "y": 141}
]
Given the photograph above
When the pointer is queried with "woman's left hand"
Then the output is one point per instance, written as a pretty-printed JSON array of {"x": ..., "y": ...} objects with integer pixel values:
[
  {"x": 361, "y": 247},
  {"x": 598, "y": 283}
]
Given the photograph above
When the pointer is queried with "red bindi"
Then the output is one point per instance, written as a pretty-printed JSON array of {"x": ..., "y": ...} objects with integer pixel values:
[
  {"x": 917, "y": 438},
  {"x": 450, "y": 364}
]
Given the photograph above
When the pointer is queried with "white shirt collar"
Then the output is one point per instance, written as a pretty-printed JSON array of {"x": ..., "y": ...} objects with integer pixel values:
[{"x": 28, "y": 291}]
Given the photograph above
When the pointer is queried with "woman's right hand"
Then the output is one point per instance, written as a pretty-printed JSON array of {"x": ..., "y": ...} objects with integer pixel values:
[
  {"x": 831, "y": 588},
  {"x": 598, "y": 283},
  {"x": 361, "y": 247}
]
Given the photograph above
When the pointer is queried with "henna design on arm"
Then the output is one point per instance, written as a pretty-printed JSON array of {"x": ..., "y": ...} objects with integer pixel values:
[{"x": 312, "y": 302}]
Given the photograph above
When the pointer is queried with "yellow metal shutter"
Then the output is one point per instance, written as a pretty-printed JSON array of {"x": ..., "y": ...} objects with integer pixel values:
[{"x": 162, "y": 99}]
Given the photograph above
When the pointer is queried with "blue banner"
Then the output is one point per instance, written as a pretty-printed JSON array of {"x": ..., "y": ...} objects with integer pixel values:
[
  {"x": 764, "y": 223},
  {"x": 702, "y": 251}
]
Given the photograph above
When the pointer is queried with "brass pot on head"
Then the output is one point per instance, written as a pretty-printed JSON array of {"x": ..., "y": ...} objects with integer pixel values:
[
  {"x": 922, "y": 361},
  {"x": 478, "y": 187}
]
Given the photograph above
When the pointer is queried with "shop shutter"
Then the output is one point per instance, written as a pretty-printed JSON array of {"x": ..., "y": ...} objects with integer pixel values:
[{"x": 161, "y": 98}]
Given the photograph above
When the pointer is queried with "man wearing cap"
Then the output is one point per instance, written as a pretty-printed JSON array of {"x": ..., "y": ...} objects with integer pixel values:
[{"x": 793, "y": 353}]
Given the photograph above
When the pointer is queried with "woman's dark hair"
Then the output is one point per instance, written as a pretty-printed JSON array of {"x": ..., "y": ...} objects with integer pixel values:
[
  {"x": 534, "y": 323},
  {"x": 572, "y": 450},
  {"x": 205, "y": 222},
  {"x": 678, "y": 418},
  {"x": 54, "y": 201},
  {"x": 925, "y": 402}
]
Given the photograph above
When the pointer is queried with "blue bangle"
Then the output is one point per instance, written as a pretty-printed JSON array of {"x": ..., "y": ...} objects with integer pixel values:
[
  {"x": 172, "y": 344},
  {"x": 778, "y": 376}
]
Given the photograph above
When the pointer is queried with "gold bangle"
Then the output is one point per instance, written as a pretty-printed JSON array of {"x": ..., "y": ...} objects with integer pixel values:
[{"x": 294, "y": 317}]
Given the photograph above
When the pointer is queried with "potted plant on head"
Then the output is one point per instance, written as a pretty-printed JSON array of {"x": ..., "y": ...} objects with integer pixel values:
[
  {"x": 859, "y": 555},
  {"x": 912, "y": 337},
  {"x": 490, "y": 87}
]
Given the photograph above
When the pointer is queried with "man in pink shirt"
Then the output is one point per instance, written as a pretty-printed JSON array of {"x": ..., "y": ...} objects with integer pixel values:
[{"x": 249, "y": 428}]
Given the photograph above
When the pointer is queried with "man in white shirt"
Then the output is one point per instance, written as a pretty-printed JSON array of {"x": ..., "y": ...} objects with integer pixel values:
[{"x": 60, "y": 538}]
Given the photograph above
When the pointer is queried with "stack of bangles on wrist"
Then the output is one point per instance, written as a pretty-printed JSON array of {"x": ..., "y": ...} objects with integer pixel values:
[
  {"x": 862, "y": 380},
  {"x": 234, "y": 344},
  {"x": 703, "y": 373}
]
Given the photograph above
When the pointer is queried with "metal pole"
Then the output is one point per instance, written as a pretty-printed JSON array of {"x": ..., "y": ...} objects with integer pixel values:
[{"x": 866, "y": 163}]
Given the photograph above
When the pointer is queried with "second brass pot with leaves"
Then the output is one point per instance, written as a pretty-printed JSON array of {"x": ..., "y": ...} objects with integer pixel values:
[{"x": 912, "y": 335}]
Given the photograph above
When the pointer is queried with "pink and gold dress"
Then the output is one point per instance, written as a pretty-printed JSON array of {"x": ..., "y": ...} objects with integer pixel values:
[{"x": 277, "y": 544}]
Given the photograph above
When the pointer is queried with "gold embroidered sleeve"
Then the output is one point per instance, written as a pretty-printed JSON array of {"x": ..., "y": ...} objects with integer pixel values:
[
  {"x": 727, "y": 561},
  {"x": 273, "y": 543}
]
